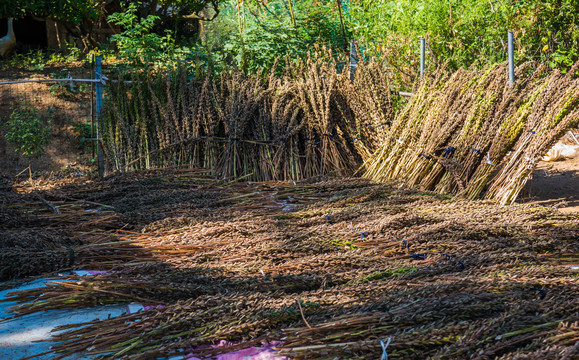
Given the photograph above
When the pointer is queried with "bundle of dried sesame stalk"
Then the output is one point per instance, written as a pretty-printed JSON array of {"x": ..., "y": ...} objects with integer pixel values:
[
  {"x": 306, "y": 122},
  {"x": 470, "y": 133}
]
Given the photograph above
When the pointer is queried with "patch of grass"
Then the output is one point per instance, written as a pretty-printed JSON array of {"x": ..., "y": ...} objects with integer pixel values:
[
  {"x": 36, "y": 60},
  {"x": 344, "y": 243},
  {"x": 496, "y": 274},
  {"x": 379, "y": 275}
]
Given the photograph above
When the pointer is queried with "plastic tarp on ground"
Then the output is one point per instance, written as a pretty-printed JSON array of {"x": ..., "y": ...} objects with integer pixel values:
[
  {"x": 265, "y": 352},
  {"x": 566, "y": 148},
  {"x": 30, "y": 335}
]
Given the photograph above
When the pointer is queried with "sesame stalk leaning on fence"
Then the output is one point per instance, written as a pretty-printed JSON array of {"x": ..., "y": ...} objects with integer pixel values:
[
  {"x": 285, "y": 126},
  {"x": 470, "y": 133}
]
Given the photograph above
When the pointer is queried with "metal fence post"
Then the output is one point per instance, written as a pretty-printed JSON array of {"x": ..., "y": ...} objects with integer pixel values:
[
  {"x": 99, "y": 110},
  {"x": 511, "y": 60},
  {"x": 353, "y": 61},
  {"x": 422, "y": 49},
  {"x": 92, "y": 104}
]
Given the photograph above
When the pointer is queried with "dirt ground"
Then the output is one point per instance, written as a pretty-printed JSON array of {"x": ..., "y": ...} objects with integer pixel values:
[
  {"x": 68, "y": 109},
  {"x": 555, "y": 184}
]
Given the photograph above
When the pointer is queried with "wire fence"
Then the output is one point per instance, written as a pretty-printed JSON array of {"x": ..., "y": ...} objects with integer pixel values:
[{"x": 73, "y": 103}]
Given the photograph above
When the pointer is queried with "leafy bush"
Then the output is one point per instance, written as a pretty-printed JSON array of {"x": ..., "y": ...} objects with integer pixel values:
[
  {"x": 83, "y": 134},
  {"x": 269, "y": 31},
  {"x": 28, "y": 130},
  {"x": 139, "y": 45},
  {"x": 466, "y": 32}
]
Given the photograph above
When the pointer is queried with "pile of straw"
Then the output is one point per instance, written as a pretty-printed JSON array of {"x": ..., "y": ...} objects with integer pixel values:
[
  {"x": 306, "y": 122},
  {"x": 328, "y": 267},
  {"x": 470, "y": 133},
  {"x": 42, "y": 233}
]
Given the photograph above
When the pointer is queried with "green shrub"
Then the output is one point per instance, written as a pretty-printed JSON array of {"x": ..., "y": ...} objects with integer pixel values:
[
  {"x": 83, "y": 134},
  {"x": 139, "y": 45},
  {"x": 28, "y": 130}
]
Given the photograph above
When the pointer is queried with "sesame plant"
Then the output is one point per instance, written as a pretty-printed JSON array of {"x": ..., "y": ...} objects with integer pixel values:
[
  {"x": 306, "y": 122},
  {"x": 469, "y": 133}
]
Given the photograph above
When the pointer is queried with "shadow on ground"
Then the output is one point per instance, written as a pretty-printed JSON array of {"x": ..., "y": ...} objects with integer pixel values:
[{"x": 555, "y": 184}]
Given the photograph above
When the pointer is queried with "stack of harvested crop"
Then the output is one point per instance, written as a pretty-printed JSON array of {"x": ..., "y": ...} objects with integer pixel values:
[
  {"x": 308, "y": 121},
  {"x": 330, "y": 268},
  {"x": 469, "y": 133}
]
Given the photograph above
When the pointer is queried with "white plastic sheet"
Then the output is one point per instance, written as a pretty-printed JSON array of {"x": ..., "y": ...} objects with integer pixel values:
[{"x": 30, "y": 334}]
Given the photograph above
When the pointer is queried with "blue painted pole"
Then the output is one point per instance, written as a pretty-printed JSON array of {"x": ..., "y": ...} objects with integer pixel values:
[
  {"x": 353, "y": 61},
  {"x": 511, "y": 60},
  {"x": 422, "y": 50},
  {"x": 98, "y": 113}
]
